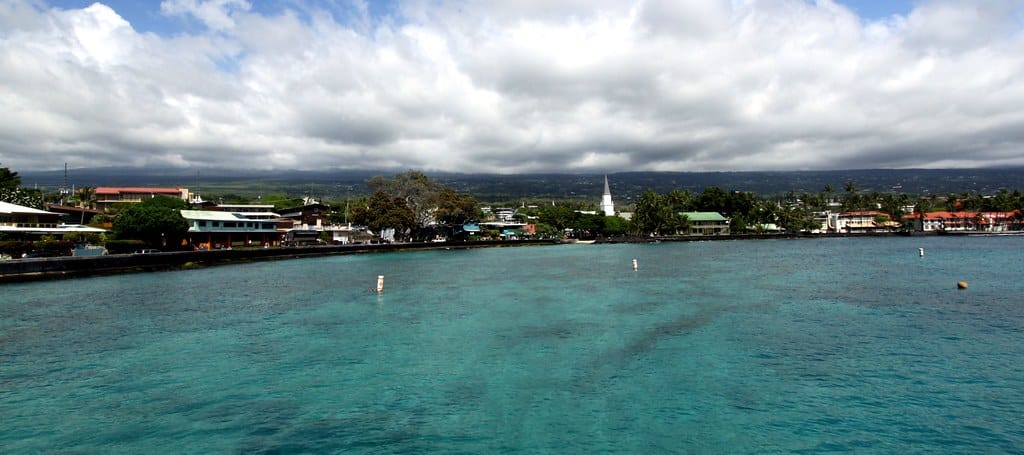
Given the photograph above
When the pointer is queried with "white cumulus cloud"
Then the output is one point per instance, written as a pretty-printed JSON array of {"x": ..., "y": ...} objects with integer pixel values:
[{"x": 589, "y": 86}]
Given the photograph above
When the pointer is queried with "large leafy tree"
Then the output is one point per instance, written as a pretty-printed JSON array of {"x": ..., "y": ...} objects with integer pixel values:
[
  {"x": 383, "y": 211},
  {"x": 415, "y": 188},
  {"x": 156, "y": 221},
  {"x": 614, "y": 225},
  {"x": 558, "y": 216},
  {"x": 454, "y": 208},
  {"x": 429, "y": 201}
]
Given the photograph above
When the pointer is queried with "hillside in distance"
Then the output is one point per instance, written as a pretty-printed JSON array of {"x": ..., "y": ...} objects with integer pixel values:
[{"x": 625, "y": 186}]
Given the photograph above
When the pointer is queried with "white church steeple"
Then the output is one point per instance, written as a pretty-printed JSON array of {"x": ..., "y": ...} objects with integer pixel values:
[{"x": 606, "y": 200}]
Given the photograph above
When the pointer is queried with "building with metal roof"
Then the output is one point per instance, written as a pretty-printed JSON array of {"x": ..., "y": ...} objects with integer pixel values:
[{"x": 707, "y": 223}]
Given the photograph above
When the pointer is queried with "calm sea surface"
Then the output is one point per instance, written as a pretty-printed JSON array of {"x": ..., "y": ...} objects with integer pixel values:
[{"x": 822, "y": 345}]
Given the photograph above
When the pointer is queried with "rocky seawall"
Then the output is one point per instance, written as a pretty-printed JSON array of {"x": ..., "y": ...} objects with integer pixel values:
[{"x": 19, "y": 270}]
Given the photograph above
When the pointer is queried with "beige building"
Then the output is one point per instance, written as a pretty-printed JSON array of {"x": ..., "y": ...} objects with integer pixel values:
[{"x": 109, "y": 196}]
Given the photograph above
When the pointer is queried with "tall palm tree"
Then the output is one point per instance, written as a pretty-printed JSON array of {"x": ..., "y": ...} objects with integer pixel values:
[
  {"x": 86, "y": 200},
  {"x": 87, "y": 197},
  {"x": 851, "y": 187}
]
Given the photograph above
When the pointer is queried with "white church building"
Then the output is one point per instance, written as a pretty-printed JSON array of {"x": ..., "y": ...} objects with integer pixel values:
[{"x": 606, "y": 200}]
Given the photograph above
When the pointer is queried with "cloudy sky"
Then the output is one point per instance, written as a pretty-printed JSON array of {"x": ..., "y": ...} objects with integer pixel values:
[{"x": 512, "y": 86}]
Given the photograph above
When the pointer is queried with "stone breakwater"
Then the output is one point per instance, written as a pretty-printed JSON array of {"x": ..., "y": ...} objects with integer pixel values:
[{"x": 19, "y": 270}]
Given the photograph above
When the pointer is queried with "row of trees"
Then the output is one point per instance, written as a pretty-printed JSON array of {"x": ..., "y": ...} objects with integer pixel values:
[
  {"x": 664, "y": 213},
  {"x": 418, "y": 208},
  {"x": 578, "y": 221}
]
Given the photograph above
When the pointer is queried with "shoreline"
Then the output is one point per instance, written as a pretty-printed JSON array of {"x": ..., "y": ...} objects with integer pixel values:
[
  {"x": 40, "y": 269},
  {"x": 725, "y": 237},
  {"x": 58, "y": 268}
]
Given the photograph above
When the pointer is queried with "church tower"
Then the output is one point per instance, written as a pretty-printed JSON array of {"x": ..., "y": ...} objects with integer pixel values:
[{"x": 606, "y": 201}]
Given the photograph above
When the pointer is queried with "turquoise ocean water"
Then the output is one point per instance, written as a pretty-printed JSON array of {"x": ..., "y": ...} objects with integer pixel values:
[{"x": 822, "y": 345}]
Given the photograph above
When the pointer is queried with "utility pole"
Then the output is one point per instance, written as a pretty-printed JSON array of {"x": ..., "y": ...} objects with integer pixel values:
[{"x": 64, "y": 191}]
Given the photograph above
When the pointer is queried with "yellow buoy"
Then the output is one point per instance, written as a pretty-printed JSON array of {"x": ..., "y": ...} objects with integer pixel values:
[{"x": 961, "y": 285}]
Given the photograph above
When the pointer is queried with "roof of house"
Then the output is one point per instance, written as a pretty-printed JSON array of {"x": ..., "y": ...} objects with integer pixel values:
[
  {"x": 862, "y": 213},
  {"x": 704, "y": 216},
  {"x": 269, "y": 207},
  {"x": 135, "y": 190},
  {"x": 213, "y": 215},
  {"x": 947, "y": 215},
  {"x": 60, "y": 229},
  {"x": 7, "y": 207},
  {"x": 71, "y": 209}
]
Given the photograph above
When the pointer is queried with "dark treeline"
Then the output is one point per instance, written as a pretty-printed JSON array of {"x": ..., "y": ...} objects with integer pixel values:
[{"x": 749, "y": 213}]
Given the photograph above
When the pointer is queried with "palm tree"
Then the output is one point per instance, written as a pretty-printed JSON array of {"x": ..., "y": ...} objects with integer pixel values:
[
  {"x": 87, "y": 197},
  {"x": 952, "y": 202}
]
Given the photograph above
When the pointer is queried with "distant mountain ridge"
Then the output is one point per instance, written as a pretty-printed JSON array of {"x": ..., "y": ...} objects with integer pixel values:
[{"x": 333, "y": 184}]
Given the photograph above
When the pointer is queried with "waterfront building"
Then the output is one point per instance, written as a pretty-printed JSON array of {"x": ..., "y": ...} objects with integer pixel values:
[
  {"x": 606, "y": 200},
  {"x": 209, "y": 229},
  {"x": 28, "y": 223},
  {"x": 15, "y": 217},
  {"x": 864, "y": 221},
  {"x": 1000, "y": 221},
  {"x": 504, "y": 214},
  {"x": 309, "y": 216},
  {"x": 967, "y": 221},
  {"x": 109, "y": 196},
  {"x": 707, "y": 223}
]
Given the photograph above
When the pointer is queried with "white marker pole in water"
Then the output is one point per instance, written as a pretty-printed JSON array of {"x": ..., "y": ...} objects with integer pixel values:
[
  {"x": 920, "y": 252},
  {"x": 380, "y": 284},
  {"x": 634, "y": 264}
]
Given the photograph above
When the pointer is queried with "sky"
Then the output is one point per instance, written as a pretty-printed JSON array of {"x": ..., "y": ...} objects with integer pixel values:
[{"x": 581, "y": 86}]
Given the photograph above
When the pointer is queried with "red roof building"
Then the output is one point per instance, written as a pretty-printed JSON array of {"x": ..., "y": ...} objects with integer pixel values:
[
  {"x": 107, "y": 196},
  {"x": 966, "y": 221}
]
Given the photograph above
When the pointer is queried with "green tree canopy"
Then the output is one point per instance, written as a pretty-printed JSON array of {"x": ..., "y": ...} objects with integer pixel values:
[
  {"x": 383, "y": 211},
  {"x": 559, "y": 216},
  {"x": 653, "y": 214},
  {"x": 415, "y": 188},
  {"x": 614, "y": 225},
  {"x": 455, "y": 208},
  {"x": 428, "y": 200},
  {"x": 156, "y": 221},
  {"x": 9, "y": 180}
]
